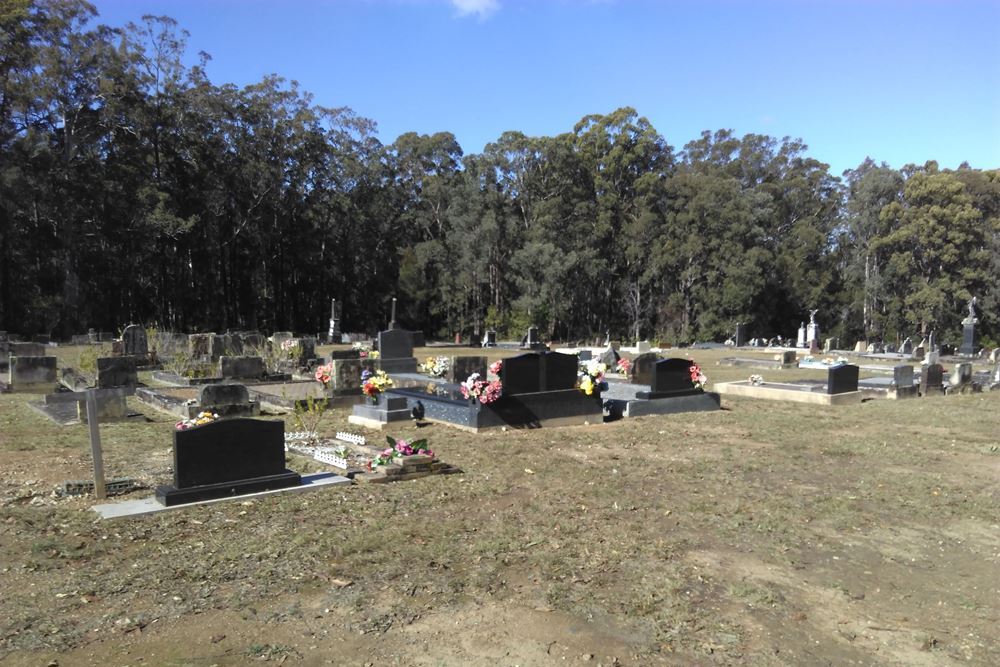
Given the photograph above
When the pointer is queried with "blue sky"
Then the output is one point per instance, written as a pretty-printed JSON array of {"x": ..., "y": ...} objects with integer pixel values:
[{"x": 898, "y": 80}]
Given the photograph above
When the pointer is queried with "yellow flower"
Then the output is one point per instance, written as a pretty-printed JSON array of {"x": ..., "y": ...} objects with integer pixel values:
[{"x": 587, "y": 385}]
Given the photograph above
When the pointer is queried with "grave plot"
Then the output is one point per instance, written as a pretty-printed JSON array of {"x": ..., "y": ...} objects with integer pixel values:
[
  {"x": 227, "y": 400},
  {"x": 229, "y": 369},
  {"x": 903, "y": 384},
  {"x": 781, "y": 361},
  {"x": 539, "y": 389},
  {"x": 394, "y": 461},
  {"x": 665, "y": 386},
  {"x": 840, "y": 388},
  {"x": 65, "y": 408},
  {"x": 292, "y": 395},
  {"x": 30, "y": 374}
]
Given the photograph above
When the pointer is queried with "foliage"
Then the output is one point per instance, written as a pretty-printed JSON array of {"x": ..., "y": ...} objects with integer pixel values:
[
  {"x": 131, "y": 181},
  {"x": 399, "y": 448},
  {"x": 310, "y": 413}
]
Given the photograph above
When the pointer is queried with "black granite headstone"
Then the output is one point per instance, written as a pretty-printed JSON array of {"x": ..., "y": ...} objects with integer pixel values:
[
  {"x": 491, "y": 338},
  {"x": 609, "y": 357},
  {"x": 116, "y": 372},
  {"x": 968, "y": 339},
  {"x": 395, "y": 344},
  {"x": 671, "y": 377},
  {"x": 227, "y": 458},
  {"x": 539, "y": 371},
  {"x": 842, "y": 379}
]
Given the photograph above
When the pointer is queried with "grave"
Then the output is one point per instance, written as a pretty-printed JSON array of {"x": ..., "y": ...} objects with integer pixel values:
[
  {"x": 840, "y": 388},
  {"x": 902, "y": 382},
  {"x": 386, "y": 409},
  {"x": 531, "y": 340},
  {"x": 670, "y": 390},
  {"x": 396, "y": 351},
  {"x": 70, "y": 407},
  {"x": 932, "y": 380},
  {"x": 969, "y": 339},
  {"x": 135, "y": 342},
  {"x": 186, "y": 402},
  {"x": 960, "y": 381},
  {"x": 539, "y": 390},
  {"x": 227, "y": 458},
  {"x": 740, "y": 337},
  {"x": 641, "y": 371},
  {"x": 35, "y": 374},
  {"x": 609, "y": 357},
  {"x": 781, "y": 361},
  {"x": 490, "y": 338},
  {"x": 242, "y": 368},
  {"x": 116, "y": 372},
  {"x": 461, "y": 367}
]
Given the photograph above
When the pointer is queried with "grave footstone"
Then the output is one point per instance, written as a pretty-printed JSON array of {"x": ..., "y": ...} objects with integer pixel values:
[{"x": 227, "y": 458}]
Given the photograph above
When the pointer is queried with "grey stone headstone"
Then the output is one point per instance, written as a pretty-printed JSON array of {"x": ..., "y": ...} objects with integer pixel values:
[
  {"x": 243, "y": 368},
  {"x": 641, "y": 371},
  {"x": 902, "y": 375},
  {"x": 919, "y": 352},
  {"x": 116, "y": 372},
  {"x": 860, "y": 346},
  {"x": 962, "y": 374},
  {"x": 642, "y": 346},
  {"x": 587, "y": 355},
  {"x": 969, "y": 343},
  {"x": 395, "y": 344},
  {"x": 907, "y": 347},
  {"x": 26, "y": 350},
  {"x": 842, "y": 379},
  {"x": 830, "y": 344},
  {"x": 200, "y": 345},
  {"x": 931, "y": 379},
  {"x": 134, "y": 341},
  {"x": 280, "y": 337},
  {"x": 223, "y": 394},
  {"x": 788, "y": 357},
  {"x": 29, "y": 373}
]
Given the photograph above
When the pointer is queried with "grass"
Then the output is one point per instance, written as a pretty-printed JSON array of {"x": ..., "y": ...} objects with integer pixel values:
[{"x": 697, "y": 536}]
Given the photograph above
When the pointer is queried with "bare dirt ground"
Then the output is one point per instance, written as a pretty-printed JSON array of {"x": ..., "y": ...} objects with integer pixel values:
[{"x": 764, "y": 534}]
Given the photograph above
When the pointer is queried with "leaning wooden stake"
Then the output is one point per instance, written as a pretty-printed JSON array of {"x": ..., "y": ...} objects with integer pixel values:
[{"x": 95, "y": 445}]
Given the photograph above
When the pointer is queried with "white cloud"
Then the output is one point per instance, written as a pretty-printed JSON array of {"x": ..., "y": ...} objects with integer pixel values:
[{"x": 481, "y": 8}]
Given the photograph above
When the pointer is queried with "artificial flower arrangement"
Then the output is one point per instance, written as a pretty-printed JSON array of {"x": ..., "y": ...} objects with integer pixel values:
[
  {"x": 698, "y": 379},
  {"x": 324, "y": 374},
  {"x": 203, "y": 417},
  {"x": 591, "y": 376},
  {"x": 623, "y": 366},
  {"x": 486, "y": 390},
  {"x": 365, "y": 350},
  {"x": 290, "y": 347},
  {"x": 400, "y": 448},
  {"x": 756, "y": 380},
  {"x": 373, "y": 384},
  {"x": 436, "y": 366}
]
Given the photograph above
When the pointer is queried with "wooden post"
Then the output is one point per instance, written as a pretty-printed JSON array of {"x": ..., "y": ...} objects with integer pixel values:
[{"x": 95, "y": 445}]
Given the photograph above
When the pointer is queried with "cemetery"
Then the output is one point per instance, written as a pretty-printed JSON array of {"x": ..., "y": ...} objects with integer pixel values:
[{"x": 489, "y": 378}]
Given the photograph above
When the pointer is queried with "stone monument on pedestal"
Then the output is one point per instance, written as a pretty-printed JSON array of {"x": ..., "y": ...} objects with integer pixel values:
[
  {"x": 334, "y": 332},
  {"x": 968, "y": 347}
]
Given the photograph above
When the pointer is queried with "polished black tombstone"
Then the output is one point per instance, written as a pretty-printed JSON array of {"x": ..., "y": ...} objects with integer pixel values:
[
  {"x": 740, "y": 338},
  {"x": 395, "y": 344},
  {"x": 842, "y": 379},
  {"x": 539, "y": 371},
  {"x": 227, "y": 458},
  {"x": 671, "y": 377}
]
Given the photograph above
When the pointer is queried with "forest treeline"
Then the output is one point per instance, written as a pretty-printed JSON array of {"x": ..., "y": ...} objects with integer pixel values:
[{"x": 133, "y": 189}]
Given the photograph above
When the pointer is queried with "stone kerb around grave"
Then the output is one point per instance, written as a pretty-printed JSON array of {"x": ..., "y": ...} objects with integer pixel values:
[{"x": 227, "y": 458}]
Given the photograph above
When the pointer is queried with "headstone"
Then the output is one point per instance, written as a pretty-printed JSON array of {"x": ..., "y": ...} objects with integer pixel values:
[
  {"x": 200, "y": 346},
  {"x": 932, "y": 379},
  {"x": 395, "y": 344},
  {"x": 812, "y": 329},
  {"x": 919, "y": 352},
  {"x": 860, "y": 346},
  {"x": 906, "y": 348},
  {"x": 829, "y": 345},
  {"x": 227, "y": 458},
  {"x": 813, "y": 346},
  {"x": 242, "y": 368},
  {"x": 740, "y": 337},
  {"x": 392, "y": 317},
  {"x": 213, "y": 395},
  {"x": 32, "y": 374},
  {"x": 491, "y": 338},
  {"x": 609, "y": 357},
  {"x": 801, "y": 340},
  {"x": 961, "y": 375},
  {"x": 221, "y": 345},
  {"x": 870, "y": 349},
  {"x": 539, "y": 371},
  {"x": 671, "y": 377},
  {"x": 116, "y": 372},
  {"x": 461, "y": 367},
  {"x": 842, "y": 379},
  {"x": 642, "y": 346},
  {"x": 307, "y": 349},
  {"x": 26, "y": 350},
  {"x": 134, "y": 341},
  {"x": 641, "y": 371},
  {"x": 787, "y": 358},
  {"x": 531, "y": 339},
  {"x": 333, "y": 333},
  {"x": 280, "y": 337},
  {"x": 969, "y": 344},
  {"x": 585, "y": 355},
  {"x": 475, "y": 340},
  {"x": 902, "y": 376},
  {"x": 931, "y": 357}
]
